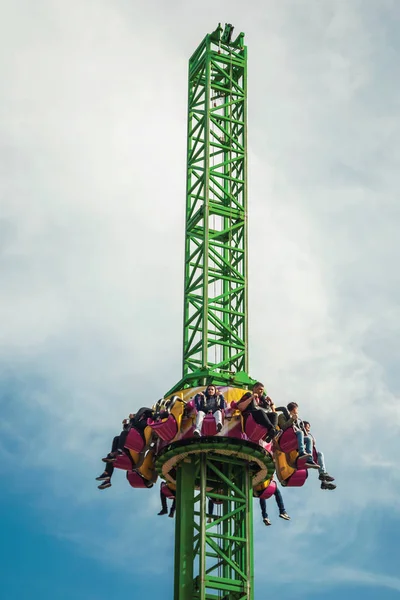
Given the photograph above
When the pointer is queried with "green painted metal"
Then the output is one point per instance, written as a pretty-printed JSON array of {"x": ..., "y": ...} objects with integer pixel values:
[
  {"x": 214, "y": 560},
  {"x": 183, "y": 531},
  {"x": 218, "y": 553},
  {"x": 215, "y": 296}
]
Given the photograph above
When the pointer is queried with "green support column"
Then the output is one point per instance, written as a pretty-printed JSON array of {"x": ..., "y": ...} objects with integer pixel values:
[
  {"x": 215, "y": 297},
  {"x": 214, "y": 560},
  {"x": 184, "y": 531}
]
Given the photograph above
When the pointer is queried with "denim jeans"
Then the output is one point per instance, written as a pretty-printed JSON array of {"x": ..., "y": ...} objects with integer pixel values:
[
  {"x": 321, "y": 462},
  {"x": 304, "y": 442},
  {"x": 279, "y": 501}
]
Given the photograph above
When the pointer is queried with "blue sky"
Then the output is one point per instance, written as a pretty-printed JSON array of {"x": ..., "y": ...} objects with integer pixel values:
[{"x": 92, "y": 185}]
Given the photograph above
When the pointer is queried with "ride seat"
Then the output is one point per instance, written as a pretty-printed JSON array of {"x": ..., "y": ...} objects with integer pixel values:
[
  {"x": 165, "y": 429},
  {"x": 123, "y": 462},
  {"x": 288, "y": 441},
  {"x": 209, "y": 426},
  {"x": 253, "y": 430},
  {"x": 137, "y": 481},
  {"x": 297, "y": 479},
  {"x": 269, "y": 491},
  {"x": 134, "y": 440}
]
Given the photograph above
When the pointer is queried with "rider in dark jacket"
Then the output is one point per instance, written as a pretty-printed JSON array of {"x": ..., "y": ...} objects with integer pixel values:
[
  {"x": 261, "y": 407},
  {"x": 209, "y": 401}
]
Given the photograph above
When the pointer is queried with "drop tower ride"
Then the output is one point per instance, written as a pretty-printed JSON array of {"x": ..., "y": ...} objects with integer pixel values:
[{"x": 214, "y": 557}]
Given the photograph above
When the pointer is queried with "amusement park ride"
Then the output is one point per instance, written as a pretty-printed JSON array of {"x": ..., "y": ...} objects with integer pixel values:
[{"x": 231, "y": 465}]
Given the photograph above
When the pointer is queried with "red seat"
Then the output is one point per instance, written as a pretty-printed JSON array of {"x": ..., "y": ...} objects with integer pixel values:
[
  {"x": 297, "y": 479},
  {"x": 269, "y": 491},
  {"x": 123, "y": 462},
  {"x": 134, "y": 441},
  {"x": 235, "y": 430},
  {"x": 254, "y": 431},
  {"x": 136, "y": 480},
  {"x": 209, "y": 426},
  {"x": 288, "y": 441},
  {"x": 166, "y": 429}
]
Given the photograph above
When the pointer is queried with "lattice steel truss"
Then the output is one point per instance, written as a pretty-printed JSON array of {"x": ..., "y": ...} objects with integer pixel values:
[
  {"x": 215, "y": 299},
  {"x": 213, "y": 560}
]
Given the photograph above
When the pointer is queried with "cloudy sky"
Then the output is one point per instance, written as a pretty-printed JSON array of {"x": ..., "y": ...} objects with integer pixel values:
[{"x": 92, "y": 193}]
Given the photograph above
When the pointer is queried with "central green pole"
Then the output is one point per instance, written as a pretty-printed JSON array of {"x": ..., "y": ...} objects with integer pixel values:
[
  {"x": 213, "y": 556},
  {"x": 215, "y": 329}
]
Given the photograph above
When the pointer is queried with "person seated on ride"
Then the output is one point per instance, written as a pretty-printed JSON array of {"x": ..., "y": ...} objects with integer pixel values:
[
  {"x": 136, "y": 420},
  {"x": 293, "y": 420},
  {"x": 105, "y": 477},
  {"x": 209, "y": 401},
  {"x": 261, "y": 407},
  {"x": 164, "y": 506},
  {"x": 282, "y": 511},
  {"x": 324, "y": 477}
]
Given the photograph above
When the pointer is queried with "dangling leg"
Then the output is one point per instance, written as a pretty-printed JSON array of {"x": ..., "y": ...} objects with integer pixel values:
[
  {"x": 264, "y": 514},
  {"x": 105, "y": 477},
  {"x": 164, "y": 507},
  {"x": 172, "y": 509},
  {"x": 324, "y": 477},
  {"x": 279, "y": 500}
]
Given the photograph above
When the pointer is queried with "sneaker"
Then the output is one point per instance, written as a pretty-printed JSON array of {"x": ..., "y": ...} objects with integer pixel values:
[
  {"x": 326, "y": 477},
  {"x": 171, "y": 514},
  {"x": 163, "y": 512},
  {"x": 284, "y": 516},
  {"x": 219, "y": 427},
  {"x": 103, "y": 477},
  {"x": 209, "y": 520},
  {"x": 310, "y": 464},
  {"x": 266, "y": 521},
  {"x": 328, "y": 486},
  {"x": 304, "y": 455},
  {"x": 196, "y": 433},
  {"x": 109, "y": 458},
  {"x": 104, "y": 485}
]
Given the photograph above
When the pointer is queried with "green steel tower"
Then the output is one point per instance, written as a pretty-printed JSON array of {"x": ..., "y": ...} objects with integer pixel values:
[
  {"x": 215, "y": 331},
  {"x": 214, "y": 556}
]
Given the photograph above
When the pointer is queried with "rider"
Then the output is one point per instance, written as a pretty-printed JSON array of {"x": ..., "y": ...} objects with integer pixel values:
[
  {"x": 105, "y": 477},
  {"x": 324, "y": 477},
  {"x": 209, "y": 401},
  {"x": 279, "y": 500},
  {"x": 261, "y": 407},
  {"x": 304, "y": 442},
  {"x": 163, "y": 498}
]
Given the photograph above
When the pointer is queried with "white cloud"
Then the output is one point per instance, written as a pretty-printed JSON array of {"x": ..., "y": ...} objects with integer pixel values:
[{"x": 92, "y": 146}]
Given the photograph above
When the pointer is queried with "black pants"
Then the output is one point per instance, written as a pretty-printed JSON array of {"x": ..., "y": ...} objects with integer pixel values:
[
  {"x": 210, "y": 507},
  {"x": 268, "y": 420},
  {"x": 164, "y": 505},
  {"x": 109, "y": 468},
  {"x": 118, "y": 443}
]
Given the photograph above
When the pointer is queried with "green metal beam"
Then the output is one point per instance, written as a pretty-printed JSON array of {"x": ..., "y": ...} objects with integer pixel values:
[
  {"x": 216, "y": 555},
  {"x": 215, "y": 296},
  {"x": 183, "y": 532}
]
